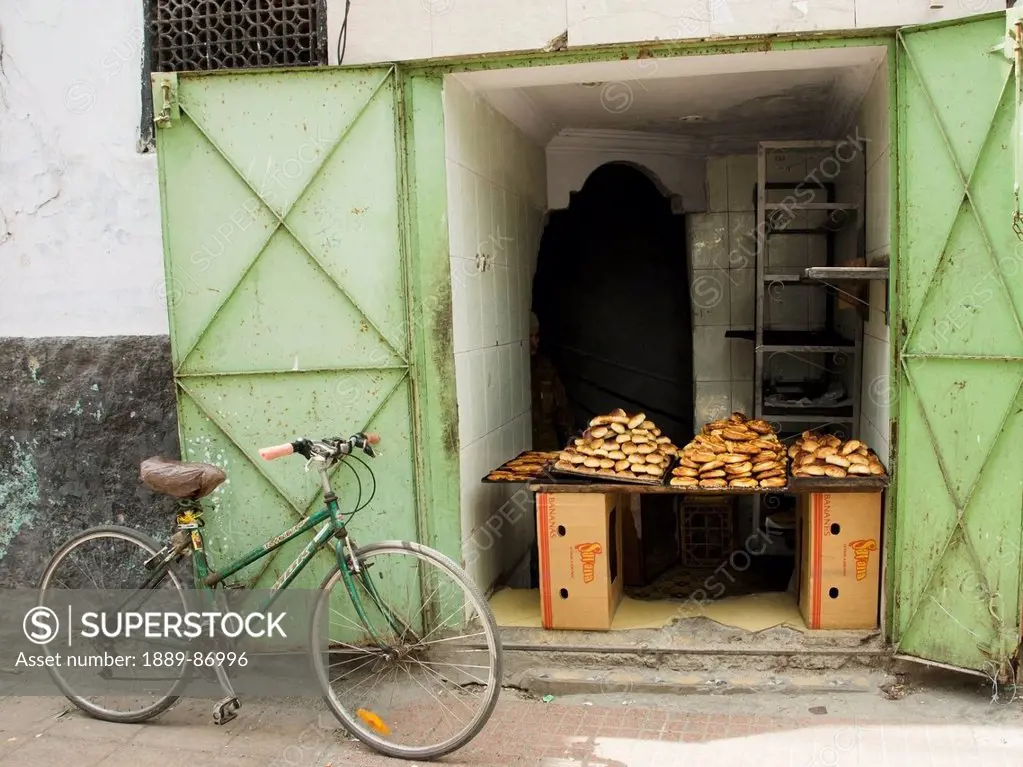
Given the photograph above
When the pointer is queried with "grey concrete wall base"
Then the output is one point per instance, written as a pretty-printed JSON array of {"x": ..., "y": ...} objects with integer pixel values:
[
  {"x": 77, "y": 416},
  {"x": 623, "y": 682}
]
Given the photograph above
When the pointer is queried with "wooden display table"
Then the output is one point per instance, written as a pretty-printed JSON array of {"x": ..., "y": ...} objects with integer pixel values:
[{"x": 796, "y": 486}]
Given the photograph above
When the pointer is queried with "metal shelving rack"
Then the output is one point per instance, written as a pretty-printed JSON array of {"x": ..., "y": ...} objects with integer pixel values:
[
  {"x": 814, "y": 344},
  {"x": 828, "y": 342}
]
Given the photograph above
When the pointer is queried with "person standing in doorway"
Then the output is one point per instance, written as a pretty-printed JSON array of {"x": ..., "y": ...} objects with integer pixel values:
[{"x": 552, "y": 423}]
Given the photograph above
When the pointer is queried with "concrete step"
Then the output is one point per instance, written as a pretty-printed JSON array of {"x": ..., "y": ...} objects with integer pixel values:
[{"x": 620, "y": 682}]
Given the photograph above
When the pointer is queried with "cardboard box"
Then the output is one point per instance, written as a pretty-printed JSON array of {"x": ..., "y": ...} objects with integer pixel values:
[
  {"x": 580, "y": 540},
  {"x": 839, "y": 545}
]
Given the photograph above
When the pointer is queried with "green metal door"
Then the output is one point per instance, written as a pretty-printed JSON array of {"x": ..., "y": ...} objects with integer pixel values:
[
  {"x": 957, "y": 534},
  {"x": 289, "y": 276}
]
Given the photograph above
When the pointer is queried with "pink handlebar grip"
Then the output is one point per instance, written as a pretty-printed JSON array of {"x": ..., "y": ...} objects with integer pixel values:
[
  {"x": 372, "y": 438},
  {"x": 278, "y": 451}
]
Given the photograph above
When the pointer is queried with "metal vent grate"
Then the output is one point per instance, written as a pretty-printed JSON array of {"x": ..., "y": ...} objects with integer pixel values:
[{"x": 203, "y": 35}]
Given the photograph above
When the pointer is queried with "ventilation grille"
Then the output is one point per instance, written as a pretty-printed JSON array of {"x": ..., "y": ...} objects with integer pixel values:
[{"x": 203, "y": 35}]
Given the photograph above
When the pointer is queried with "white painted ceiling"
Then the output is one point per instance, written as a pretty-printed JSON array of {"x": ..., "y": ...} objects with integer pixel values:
[{"x": 713, "y": 104}]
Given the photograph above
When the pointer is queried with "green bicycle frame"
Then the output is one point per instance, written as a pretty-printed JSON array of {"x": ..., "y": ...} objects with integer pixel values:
[{"x": 333, "y": 527}]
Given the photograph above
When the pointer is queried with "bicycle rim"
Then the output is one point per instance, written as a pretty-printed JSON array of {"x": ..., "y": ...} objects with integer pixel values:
[
  {"x": 412, "y": 677},
  {"x": 103, "y": 558}
]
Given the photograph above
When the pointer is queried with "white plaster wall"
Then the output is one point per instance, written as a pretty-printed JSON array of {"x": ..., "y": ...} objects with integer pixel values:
[
  {"x": 398, "y": 30},
  {"x": 80, "y": 248},
  {"x": 873, "y": 123},
  {"x": 568, "y": 169},
  {"x": 496, "y": 181}
]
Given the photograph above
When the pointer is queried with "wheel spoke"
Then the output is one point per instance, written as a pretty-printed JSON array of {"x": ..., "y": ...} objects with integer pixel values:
[{"x": 378, "y": 704}]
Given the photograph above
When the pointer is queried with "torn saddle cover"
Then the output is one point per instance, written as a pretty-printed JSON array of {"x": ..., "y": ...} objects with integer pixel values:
[{"x": 180, "y": 479}]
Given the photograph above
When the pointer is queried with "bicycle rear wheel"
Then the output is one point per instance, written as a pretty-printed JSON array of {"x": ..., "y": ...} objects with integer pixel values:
[
  {"x": 417, "y": 674},
  {"x": 110, "y": 559}
]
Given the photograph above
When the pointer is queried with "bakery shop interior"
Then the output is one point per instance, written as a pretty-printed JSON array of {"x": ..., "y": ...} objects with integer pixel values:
[{"x": 671, "y": 358}]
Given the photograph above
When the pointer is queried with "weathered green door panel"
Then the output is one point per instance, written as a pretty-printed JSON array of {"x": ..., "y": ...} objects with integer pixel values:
[
  {"x": 957, "y": 564},
  {"x": 436, "y": 404},
  {"x": 286, "y": 239}
]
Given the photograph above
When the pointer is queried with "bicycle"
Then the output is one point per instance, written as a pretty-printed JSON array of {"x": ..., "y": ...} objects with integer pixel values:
[{"x": 420, "y": 644}]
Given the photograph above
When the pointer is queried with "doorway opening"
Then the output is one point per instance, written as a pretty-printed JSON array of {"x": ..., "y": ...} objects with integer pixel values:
[
  {"x": 619, "y": 204},
  {"x": 611, "y": 293}
]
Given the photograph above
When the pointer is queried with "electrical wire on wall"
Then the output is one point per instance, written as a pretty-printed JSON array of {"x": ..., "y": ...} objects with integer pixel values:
[{"x": 342, "y": 37}]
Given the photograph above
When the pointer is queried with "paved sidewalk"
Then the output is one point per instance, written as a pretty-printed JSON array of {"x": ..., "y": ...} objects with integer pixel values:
[{"x": 695, "y": 731}]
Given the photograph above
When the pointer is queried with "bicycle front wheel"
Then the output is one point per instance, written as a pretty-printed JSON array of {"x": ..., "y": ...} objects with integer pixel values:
[{"x": 411, "y": 661}]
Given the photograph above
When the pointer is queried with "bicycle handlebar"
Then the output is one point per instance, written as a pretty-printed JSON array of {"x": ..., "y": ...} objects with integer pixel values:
[
  {"x": 338, "y": 447},
  {"x": 277, "y": 451}
]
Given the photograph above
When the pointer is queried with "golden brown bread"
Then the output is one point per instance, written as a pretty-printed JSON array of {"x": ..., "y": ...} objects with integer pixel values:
[
  {"x": 745, "y": 483},
  {"x": 746, "y": 448},
  {"x": 684, "y": 482},
  {"x": 715, "y": 474},
  {"x": 713, "y": 484},
  {"x": 836, "y": 472},
  {"x": 773, "y": 482},
  {"x": 739, "y": 468}
]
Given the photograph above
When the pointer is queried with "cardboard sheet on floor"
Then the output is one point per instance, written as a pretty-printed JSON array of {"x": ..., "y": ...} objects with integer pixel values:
[{"x": 520, "y": 608}]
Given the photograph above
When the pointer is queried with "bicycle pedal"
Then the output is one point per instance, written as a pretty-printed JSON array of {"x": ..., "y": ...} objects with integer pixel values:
[{"x": 226, "y": 710}]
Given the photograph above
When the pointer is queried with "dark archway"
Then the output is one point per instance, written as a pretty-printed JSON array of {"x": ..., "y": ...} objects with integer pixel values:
[{"x": 611, "y": 292}]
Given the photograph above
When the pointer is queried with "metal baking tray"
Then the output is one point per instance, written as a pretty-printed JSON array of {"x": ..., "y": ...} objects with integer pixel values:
[
  {"x": 520, "y": 476},
  {"x": 602, "y": 478}
]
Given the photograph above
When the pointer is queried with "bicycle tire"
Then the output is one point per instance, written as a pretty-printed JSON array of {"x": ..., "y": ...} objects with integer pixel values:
[
  {"x": 486, "y": 617},
  {"x": 147, "y": 543}
]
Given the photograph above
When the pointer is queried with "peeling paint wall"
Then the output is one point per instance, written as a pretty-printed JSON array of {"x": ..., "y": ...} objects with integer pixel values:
[
  {"x": 80, "y": 249},
  {"x": 77, "y": 417}
]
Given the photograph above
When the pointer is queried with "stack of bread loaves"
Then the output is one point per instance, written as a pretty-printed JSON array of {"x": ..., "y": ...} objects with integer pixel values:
[
  {"x": 825, "y": 455},
  {"x": 619, "y": 445},
  {"x": 735, "y": 453}
]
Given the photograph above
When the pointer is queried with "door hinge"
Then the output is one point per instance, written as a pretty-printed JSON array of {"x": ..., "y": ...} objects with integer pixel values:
[{"x": 165, "y": 99}]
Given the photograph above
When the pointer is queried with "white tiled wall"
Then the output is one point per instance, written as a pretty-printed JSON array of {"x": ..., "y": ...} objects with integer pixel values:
[
  {"x": 722, "y": 259},
  {"x": 873, "y": 124},
  {"x": 496, "y": 198}
]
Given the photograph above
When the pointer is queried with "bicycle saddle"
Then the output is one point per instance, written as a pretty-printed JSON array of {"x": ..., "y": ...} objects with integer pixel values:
[{"x": 180, "y": 479}]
